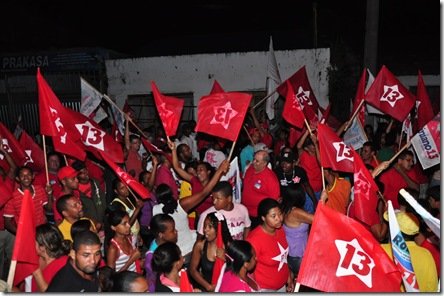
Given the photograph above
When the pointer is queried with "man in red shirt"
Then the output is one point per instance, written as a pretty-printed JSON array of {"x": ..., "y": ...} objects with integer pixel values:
[
  {"x": 399, "y": 176},
  {"x": 41, "y": 198},
  {"x": 259, "y": 182}
]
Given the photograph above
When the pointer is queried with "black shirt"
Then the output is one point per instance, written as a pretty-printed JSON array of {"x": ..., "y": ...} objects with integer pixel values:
[{"x": 67, "y": 279}]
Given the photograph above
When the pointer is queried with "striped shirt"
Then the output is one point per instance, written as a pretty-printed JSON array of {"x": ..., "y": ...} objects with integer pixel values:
[{"x": 39, "y": 199}]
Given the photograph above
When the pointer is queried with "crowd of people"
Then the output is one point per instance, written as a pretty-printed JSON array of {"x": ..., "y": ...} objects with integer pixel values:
[{"x": 94, "y": 234}]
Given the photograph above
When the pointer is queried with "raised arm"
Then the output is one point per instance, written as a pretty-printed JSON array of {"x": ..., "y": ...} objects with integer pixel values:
[
  {"x": 176, "y": 165},
  {"x": 189, "y": 202}
]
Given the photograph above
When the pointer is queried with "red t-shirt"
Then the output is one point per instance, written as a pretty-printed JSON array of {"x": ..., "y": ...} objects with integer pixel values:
[
  {"x": 393, "y": 182},
  {"x": 197, "y": 187},
  {"x": 271, "y": 270},
  {"x": 39, "y": 199},
  {"x": 6, "y": 188},
  {"x": 134, "y": 162},
  {"x": 49, "y": 271},
  {"x": 310, "y": 164},
  {"x": 258, "y": 186}
]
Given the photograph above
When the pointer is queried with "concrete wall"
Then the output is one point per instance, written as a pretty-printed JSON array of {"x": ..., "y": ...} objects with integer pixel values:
[{"x": 196, "y": 73}]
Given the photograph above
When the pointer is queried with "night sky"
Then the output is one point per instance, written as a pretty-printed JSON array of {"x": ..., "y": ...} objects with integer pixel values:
[{"x": 408, "y": 29}]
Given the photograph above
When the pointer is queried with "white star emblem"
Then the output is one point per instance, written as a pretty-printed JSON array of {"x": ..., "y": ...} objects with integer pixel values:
[
  {"x": 354, "y": 261},
  {"x": 223, "y": 115},
  {"x": 282, "y": 257},
  {"x": 391, "y": 94},
  {"x": 59, "y": 125},
  {"x": 342, "y": 151},
  {"x": 303, "y": 97},
  {"x": 361, "y": 183},
  {"x": 163, "y": 111},
  {"x": 28, "y": 157}
]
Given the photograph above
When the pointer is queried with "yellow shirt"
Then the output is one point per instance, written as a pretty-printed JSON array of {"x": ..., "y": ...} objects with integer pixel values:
[
  {"x": 65, "y": 228},
  {"x": 186, "y": 190},
  {"x": 423, "y": 265}
]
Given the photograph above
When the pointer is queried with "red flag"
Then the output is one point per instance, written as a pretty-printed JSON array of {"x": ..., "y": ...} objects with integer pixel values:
[
  {"x": 154, "y": 149},
  {"x": 219, "y": 262},
  {"x": 93, "y": 137},
  {"x": 24, "y": 247},
  {"x": 342, "y": 256},
  {"x": 304, "y": 93},
  {"x": 359, "y": 97},
  {"x": 390, "y": 96},
  {"x": 365, "y": 199},
  {"x": 12, "y": 146},
  {"x": 295, "y": 135},
  {"x": 292, "y": 112},
  {"x": 34, "y": 154},
  {"x": 127, "y": 178},
  {"x": 222, "y": 114},
  {"x": 51, "y": 111},
  {"x": 334, "y": 153},
  {"x": 325, "y": 114},
  {"x": 216, "y": 88},
  {"x": 185, "y": 285},
  {"x": 170, "y": 110},
  {"x": 424, "y": 110}
]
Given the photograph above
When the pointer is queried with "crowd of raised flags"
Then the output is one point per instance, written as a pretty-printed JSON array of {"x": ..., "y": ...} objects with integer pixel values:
[{"x": 341, "y": 255}]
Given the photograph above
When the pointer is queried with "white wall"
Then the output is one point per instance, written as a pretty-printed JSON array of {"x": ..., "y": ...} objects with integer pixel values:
[{"x": 196, "y": 73}]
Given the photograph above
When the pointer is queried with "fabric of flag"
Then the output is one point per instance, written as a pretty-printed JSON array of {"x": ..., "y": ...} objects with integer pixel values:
[
  {"x": 390, "y": 96},
  {"x": 222, "y": 114},
  {"x": 12, "y": 146},
  {"x": 54, "y": 121},
  {"x": 424, "y": 110},
  {"x": 334, "y": 153},
  {"x": 90, "y": 98},
  {"x": 34, "y": 154},
  {"x": 273, "y": 81},
  {"x": 401, "y": 254},
  {"x": 407, "y": 127},
  {"x": 118, "y": 121},
  {"x": 219, "y": 262},
  {"x": 343, "y": 256},
  {"x": 216, "y": 88},
  {"x": 427, "y": 143},
  {"x": 24, "y": 246},
  {"x": 370, "y": 109},
  {"x": 94, "y": 138},
  {"x": 365, "y": 190},
  {"x": 127, "y": 178},
  {"x": 294, "y": 135},
  {"x": 324, "y": 114},
  {"x": 233, "y": 177},
  {"x": 304, "y": 93},
  {"x": 169, "y": 109},
  {"x": 185, "y": 285},
  {"x": 154, "y": 149},
  {"x": 359, "y": 97},
  {"x": 433, "y": 223},
  {"x": 292, "y": 112},
  {"x": 355, "y": 135}
]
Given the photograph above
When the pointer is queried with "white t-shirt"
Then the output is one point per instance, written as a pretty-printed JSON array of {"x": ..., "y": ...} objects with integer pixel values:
[
  {"x": 185, "y": 236},
  {"x": 237, "y": 220}
]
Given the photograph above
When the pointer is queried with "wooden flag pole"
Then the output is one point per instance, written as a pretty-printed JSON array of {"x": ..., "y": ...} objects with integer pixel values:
[
  {"x": 353, "y": 116},
  {"x": 11, "y": 274},
  {"x": 308, "y": 126},
  {"x": 248, "y": 134},
  {"x": 231, "y": 151},
  {"x": 46, "y": 161},
  {"x": 396, "y": 155},
  {"x": 264, "y": 99},
  {"x": 121, "y": 111}
]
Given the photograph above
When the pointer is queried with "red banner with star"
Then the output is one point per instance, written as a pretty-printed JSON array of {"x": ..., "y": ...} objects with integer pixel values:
[{"x": 222, "y": 114}]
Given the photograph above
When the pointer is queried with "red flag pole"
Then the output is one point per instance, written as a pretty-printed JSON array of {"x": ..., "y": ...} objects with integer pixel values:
[{"x": 353, "y": 116}]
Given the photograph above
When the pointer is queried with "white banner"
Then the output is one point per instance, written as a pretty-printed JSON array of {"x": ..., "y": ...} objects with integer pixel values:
[
  {"x": 355, "y": 135},
  {"x": 90, "y": 98},
  {"x": 427, "y": 143},
  {"x": 233, "y": 176}
]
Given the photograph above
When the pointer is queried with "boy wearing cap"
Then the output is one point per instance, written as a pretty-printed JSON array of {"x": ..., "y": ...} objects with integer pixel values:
[
  {"x": 422, "y": 260},
  {"x": 67, "y": 176},
  {"x": 41, "y": 198},
  {"x": 289, "y": 173}
]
